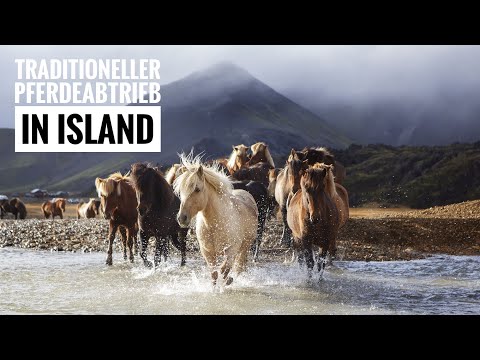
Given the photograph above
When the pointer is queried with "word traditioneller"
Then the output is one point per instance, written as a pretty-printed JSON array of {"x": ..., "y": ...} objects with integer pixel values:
[{"x": 79, "y": 90}]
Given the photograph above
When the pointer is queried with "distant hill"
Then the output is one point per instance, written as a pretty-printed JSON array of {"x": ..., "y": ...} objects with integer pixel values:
[
  {"x": 418, "y": 177},
  {"x": 209, "y": 110}
]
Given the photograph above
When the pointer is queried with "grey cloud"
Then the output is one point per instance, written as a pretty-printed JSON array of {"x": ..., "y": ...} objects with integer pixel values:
[{"x": 331, "y": 73}]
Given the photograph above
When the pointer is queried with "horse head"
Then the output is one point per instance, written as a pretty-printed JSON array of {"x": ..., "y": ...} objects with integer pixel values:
[{"x": 312, "y": 184}]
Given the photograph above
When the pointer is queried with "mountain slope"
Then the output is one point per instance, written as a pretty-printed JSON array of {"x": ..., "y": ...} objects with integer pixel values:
[{"x": 209, "y": 110}]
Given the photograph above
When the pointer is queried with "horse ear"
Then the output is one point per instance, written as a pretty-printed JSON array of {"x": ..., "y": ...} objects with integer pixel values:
[
  {"x": 200, "y": 172},
  {"x": 329, "y": 159},
  {"x": 293, "y": 153},
  {"x": 234, "y": 147}
]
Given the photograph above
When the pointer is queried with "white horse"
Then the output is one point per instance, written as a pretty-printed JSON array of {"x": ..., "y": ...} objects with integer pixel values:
[
  {"x": 87, "y": 210},
  {"x": 226, "y": 224}
]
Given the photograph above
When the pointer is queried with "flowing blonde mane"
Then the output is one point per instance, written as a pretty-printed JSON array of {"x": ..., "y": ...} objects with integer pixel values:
[
  {"x": 106, "y": 186},
  {"x": 262, "y": 146},
  {"x": 171, "y": 173},
  {"x": 185, "y": 183}
]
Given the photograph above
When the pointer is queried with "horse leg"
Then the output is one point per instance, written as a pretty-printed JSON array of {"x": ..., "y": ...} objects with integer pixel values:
[
  {"x": 262, "y": 215},
  {"x": 179, "y": 241},
  {"x": 159, "y": 250},
  {"x": 308, "y": 253},
  {"x": 123, "y": 233},
  {"x": 286, "y": 235},
  {"x": 143, "y": 253},
  {"x": 130, "y": 237},
  {"x": 111, "y": 237},
  {"x": 322, "y": 260}
]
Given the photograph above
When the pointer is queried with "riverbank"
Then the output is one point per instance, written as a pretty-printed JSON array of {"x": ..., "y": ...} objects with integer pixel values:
[{"x": 402, "y": 235}]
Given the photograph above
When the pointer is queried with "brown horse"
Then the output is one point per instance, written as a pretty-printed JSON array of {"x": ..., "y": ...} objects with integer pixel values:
[
  {"x": 321, "y": 155},
  {"x": 337, "y": 193},
  {"x": 87, "y": 210},
  {"x": 260, "y": 153},
  {"x": 157, "y": 211},
  {"x": 313, "y": 218},
  {"x": 119, "y": 205},
  {"x": 238, "y": 158},
  {"x": 288, "y": 181},
  {"x": 14, "y": 206},
  {"x": 54, "y": 207}
]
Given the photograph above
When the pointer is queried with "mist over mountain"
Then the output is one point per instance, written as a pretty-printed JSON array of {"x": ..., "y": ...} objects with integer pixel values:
[{"x": 449, "y": 116}]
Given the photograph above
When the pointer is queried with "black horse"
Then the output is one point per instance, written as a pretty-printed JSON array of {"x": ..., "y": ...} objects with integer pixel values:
[
  {"x": 157, "y": 210},
  {"x": 260, "y": 195}
]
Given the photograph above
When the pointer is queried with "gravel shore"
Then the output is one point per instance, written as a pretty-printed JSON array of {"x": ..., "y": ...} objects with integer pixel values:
[{"x": 411, "y": 235}]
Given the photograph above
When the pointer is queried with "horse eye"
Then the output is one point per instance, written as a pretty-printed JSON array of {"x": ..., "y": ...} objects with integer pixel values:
[{"x": 197, "y": 189}]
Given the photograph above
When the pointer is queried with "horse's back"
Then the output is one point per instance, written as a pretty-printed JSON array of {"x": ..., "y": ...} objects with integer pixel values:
[{"x": 247, "y": 200}]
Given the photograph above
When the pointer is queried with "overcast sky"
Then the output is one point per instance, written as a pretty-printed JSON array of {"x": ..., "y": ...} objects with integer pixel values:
[{"x": 338, "y": 73}]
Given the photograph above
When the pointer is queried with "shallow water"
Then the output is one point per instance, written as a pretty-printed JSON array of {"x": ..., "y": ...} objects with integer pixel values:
[{"x": 39, "y": 282}]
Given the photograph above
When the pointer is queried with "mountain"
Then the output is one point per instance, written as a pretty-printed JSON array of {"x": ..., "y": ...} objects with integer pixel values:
[
  {"x": 418, "y": 177},
  {"x": 209, "y": 110},
  {"x": 441, "y": 119}
]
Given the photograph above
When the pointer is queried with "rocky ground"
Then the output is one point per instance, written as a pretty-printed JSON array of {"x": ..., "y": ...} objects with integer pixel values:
[{"x": 453, "y": 229}]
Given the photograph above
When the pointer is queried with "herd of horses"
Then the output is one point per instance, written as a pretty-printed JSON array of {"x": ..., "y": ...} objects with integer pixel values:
[{"x": 226, "y": 202}]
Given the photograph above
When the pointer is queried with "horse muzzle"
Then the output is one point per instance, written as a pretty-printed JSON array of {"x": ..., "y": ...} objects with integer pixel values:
[{"x": 183, "y": 220}]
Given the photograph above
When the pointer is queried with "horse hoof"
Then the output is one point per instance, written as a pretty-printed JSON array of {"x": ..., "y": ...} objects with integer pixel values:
[
  {"x": 109, "y": 262},
  {"x": 131, "y": 260},
  {"x": 182, "y": 263},
  {"x": 148, "y": 264},
  {"x": 215, "y": 275},
  {"x": 229, "y": 280}
]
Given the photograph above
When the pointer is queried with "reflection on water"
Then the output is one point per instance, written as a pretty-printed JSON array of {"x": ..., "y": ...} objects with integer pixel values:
[{"x": 56, "y": 283}]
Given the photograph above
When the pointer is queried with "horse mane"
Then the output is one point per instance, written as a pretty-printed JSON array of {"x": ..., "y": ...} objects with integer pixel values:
[
  {"x": 213, "y": 175},
  {"x": 233, "y": 157},
  {"x": 171, "y": 173},
  {"x": 106, "y": 186},
  {"x": 319, "y": 148},
  {"x": 140, "y": 177},
  {"x": 312, "y": 175},
  {"x": 256, "y": 147}
]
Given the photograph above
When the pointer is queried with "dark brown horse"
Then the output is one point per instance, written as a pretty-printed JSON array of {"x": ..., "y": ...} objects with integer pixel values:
[
  {"x": 14, "y": 206},
  {"x": 119, "y": 205},
  {"x": 313, "y": 218},
  {"x": 54, "y": 207},
  {"x": 260, "y": 195},
  {"x": 288, "y": 181},
  {"x": 321, "y": 155},
  {"x": 257, "y": 172},
  {"x": 157, "y": 210}
]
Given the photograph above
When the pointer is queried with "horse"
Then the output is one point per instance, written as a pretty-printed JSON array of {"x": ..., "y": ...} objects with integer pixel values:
[
  {"x": 313, "y": 218},
  {"x": 14, "y": 206},
  {"x": 119, "y": 205},
  {"x": 315, "y": 155},
  {"x": 226, "y": 218},
  {"x": 238, "y": 158},
  {"x": 260, "y": 195},
  {"x": 97, "y": 206},
  {"x": 87, "y": 210},
  {"x": 288, "y": 181},
  {"x": 336, "y": 192},
  {"x": 157, "y": 209},
  {"x": 260, "y": 153},
  {"x": 172, "y": 173},
  {"x": 272, "y": 183},
  {"x": 54, "y": 207},
  {"x": 257, "y": 172}
]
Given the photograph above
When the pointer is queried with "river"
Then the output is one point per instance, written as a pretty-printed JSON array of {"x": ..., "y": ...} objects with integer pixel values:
[{"x": 44, "y": 282}]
